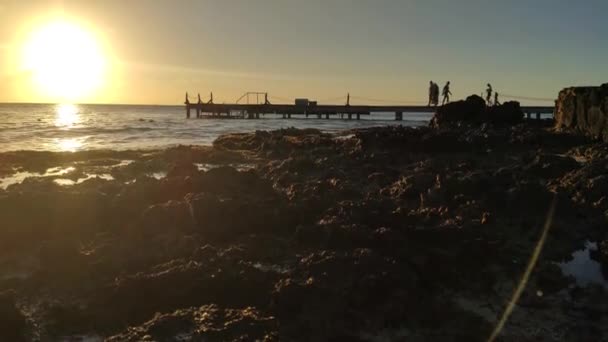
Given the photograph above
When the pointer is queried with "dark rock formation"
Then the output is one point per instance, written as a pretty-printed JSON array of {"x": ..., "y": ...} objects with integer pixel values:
[
  {"x": 386, "y": 233},
  {"x": 583, "y": 109},
  {"x": 473, "y": 110},
  {"x": 12, "y": 321},
  {"x": 205, "y": 323}
]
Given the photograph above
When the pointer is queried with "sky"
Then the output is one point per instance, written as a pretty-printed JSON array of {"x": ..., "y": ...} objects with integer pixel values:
[{"x": 378, "y": 51}]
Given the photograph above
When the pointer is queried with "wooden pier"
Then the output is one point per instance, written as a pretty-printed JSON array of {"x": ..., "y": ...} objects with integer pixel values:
[
  {"x": 253, "y": 111},
  {"x": 312, "y": 109}
]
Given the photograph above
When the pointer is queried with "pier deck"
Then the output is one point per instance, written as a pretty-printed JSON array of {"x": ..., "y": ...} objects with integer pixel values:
[{"x": 253, "y": 111}]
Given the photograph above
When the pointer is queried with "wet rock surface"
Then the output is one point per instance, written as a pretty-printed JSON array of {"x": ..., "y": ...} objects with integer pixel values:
[{"x": 390, "y": 233}]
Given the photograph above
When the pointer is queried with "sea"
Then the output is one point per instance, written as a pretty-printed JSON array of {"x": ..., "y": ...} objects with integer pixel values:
[{"x": 69, "y": 127}]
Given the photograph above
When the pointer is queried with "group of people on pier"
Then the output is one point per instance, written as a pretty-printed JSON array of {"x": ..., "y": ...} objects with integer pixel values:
[
  {"x": 434, "y": 94},
  {"x": 489, "y": 96}
]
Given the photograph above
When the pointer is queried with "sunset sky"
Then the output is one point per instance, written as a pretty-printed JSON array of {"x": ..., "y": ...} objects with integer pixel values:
[{"x": 151, "y": 52}]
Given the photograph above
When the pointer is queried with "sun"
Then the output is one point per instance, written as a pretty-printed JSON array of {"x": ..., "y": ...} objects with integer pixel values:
[{"x": 64, "y": 60}]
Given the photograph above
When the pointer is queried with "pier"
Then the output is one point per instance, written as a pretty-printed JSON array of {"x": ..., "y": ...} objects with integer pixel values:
[{"x": 305, "y": 108}]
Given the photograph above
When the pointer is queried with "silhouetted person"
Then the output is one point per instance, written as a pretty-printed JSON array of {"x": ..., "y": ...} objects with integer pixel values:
[
  {"x": 496, "y": 103},
  {"x": 446, "y": 93},
  {"x": 187, "y": 101},
  {"x": 488, "y": 94},
  {"x": 431, "y": 93},
  {"x": 435, "y": 94},
  {"x": 210, "y": 98}
]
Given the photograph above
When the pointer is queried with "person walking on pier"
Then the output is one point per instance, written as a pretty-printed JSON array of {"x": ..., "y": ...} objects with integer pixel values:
[
  {"x": 496, "y": 103},
  {"x": 435, "y": 94},
  {"x": 489, "y": 94},
  {"x": 446, "y": 93}
]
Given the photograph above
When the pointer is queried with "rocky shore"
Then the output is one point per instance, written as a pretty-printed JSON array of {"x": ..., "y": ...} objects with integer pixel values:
[{"x": 382, "y": 234}]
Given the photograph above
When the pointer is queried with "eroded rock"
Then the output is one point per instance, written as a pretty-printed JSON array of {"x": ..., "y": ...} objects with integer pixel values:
[{"x": 584, "y": 109}]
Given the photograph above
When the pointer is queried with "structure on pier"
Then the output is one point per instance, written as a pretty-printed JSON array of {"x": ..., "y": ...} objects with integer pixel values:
[{"x": 306, "y": 108}]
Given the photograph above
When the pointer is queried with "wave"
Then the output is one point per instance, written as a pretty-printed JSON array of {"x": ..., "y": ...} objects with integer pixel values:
[
  {"x": 78, "y": 131},
  {"x": 142, "y": 127}
]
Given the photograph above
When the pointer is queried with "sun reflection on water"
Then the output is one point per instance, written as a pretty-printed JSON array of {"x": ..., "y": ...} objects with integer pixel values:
[
  {"x": 66, "y": 115},
  {"x": 70, "y": 145}
]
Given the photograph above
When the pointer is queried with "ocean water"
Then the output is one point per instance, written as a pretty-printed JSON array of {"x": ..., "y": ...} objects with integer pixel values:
[{"x": 43, "y": 127}]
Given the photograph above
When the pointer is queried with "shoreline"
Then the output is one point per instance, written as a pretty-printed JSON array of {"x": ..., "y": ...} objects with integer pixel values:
[{"x": 390, "y": 232}]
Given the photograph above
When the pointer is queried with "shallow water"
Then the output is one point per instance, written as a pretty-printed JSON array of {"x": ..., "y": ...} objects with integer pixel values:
[
  {"x": 68, "y": 182},
  {"x": 54, "y": 172},
  {"x": 122, "y": 127},
  {"x": 585, "y": 270},
  {"x": 237, "y": 166},
  {"x": 157, "y": 175},
  {"x": 20, "y": 176}
]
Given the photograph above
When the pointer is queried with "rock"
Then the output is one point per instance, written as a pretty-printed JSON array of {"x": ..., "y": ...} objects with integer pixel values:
[
  {"x": 374, "y": 234},
  {"x": 508, "y": 113},
  {"x": 231, "y": 182},
  {"x": 473, "y": 110},
  {"x": 50, "y": 214},
  {"x": 550, "y": 279},
  {"x": 205, "y": 323},
  {"x": 12, "y": 321},
  {"x": 181, "y": 283},
  {"x": 597, "y": 187},
  {"x": 182, "y": 169},
  {"x": 486, "y": 218},
  {"x": 469, "y": 110},
  {"x": 63, "y": 320},
  {"x": 528, "y": 198},
  {"x": 217, "y": 216},
  {"x": 583, "y": 109},
  {"x": 412, "y": 185},
  {"x": 166, "y": 217},
  {"x": 603, "y": 252},
  {"x": 277, "y": 143},
  {"x": 60, "y": 258},
  {"x": 551, "y": 166}
]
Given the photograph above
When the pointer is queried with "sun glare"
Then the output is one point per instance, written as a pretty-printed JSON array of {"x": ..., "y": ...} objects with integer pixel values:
[
  {"x": 66, "y": 115},
  {"x": 64, "y": 60}
]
